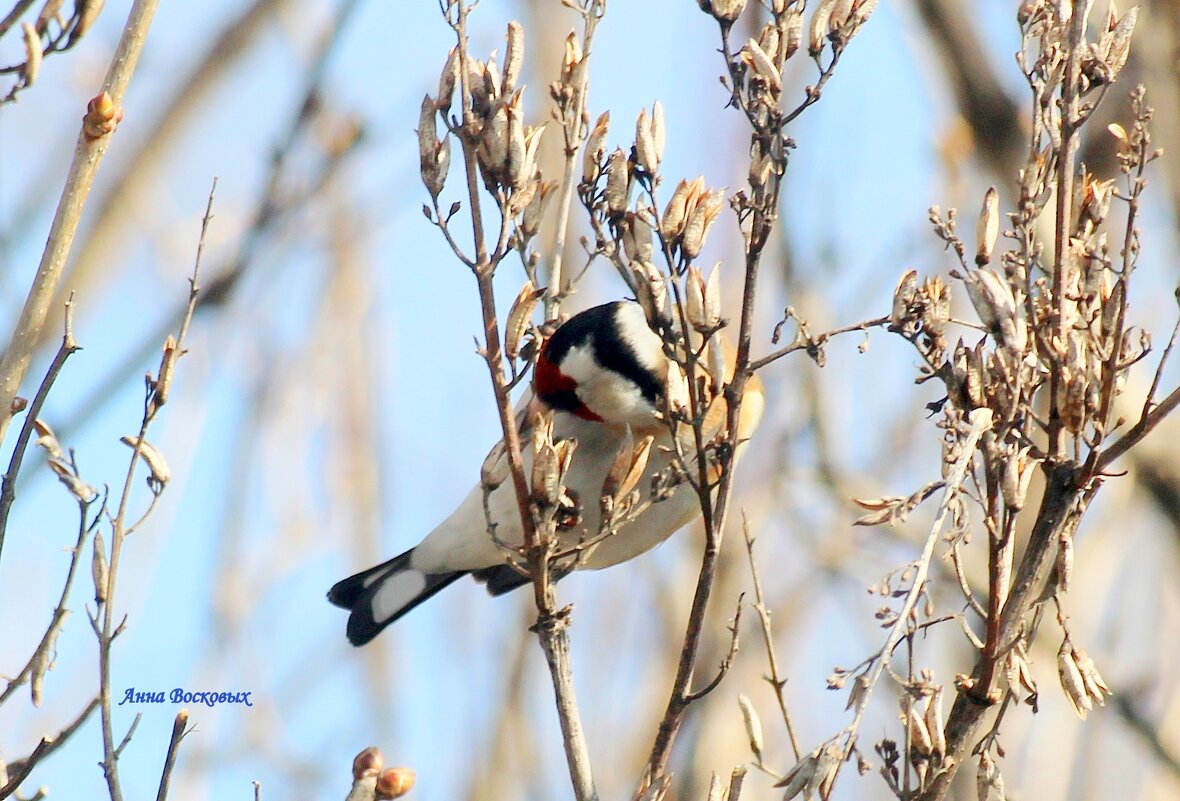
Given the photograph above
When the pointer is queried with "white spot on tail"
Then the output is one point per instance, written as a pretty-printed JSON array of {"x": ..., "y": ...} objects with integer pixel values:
[{"x": 396, "y": 592}]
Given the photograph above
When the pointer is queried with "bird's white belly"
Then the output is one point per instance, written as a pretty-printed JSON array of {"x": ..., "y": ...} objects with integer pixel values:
[{"x": 462, "y": 541}]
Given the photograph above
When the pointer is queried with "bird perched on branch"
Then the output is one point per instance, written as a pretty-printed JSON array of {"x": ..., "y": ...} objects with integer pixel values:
[{"x": 604, "y": 375}]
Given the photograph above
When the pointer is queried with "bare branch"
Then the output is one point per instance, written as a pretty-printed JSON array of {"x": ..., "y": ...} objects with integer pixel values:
[{"x": 88, "y": 154}]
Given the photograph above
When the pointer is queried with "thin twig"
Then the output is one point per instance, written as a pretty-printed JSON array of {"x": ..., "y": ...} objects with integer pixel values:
[
  {"x": 551, "y": 622},
  {"x": 735, "y": 784},
  {"x": 178, "y": 733},
  {"x": 775, "y": 678},
  {"x": 88, "y": 155},
  {"x": 808, "y": 343},
  {"x": 1062, "y": 259},
  {"x": 44, "y": 748},
  {"x": 1138, "y": 431},
  {"x": 727, "y": 662},
  {"x": 574, "y": 131},
  {"x": 154, "y": 398},
  {"x": 980, "y": 422},
  {"x": 8, "y": 492},
  {"x": 60, "y": 612},
  {"x": 273, "y": 206},
  {"x": 126, "y": 741}
]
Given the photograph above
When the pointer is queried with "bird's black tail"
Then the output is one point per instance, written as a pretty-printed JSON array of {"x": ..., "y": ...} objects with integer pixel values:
[{"x": 380, "y": 595}]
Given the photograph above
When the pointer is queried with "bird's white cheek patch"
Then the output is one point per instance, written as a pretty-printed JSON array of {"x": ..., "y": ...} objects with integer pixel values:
[
  {"x": 398, "y": 591},
  {"x": 613, "y": 397},
  {"x": 579, "y": 364}
]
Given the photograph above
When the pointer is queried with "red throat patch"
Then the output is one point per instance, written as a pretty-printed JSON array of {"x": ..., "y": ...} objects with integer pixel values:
[{"x": 558, "y": 390}]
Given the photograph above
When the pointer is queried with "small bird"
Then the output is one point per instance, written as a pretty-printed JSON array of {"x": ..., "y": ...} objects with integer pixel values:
[{"x": 603, "y": 374}]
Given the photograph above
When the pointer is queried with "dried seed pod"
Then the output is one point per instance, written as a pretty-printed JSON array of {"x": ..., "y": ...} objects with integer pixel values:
[
  {"x": 1073, "y": 409},
  {"x": 447, "y": 80},
  {"x": 85, "y": 13},
  {"x": 163, "y": 383},
  {"x": 50, "y": 12},
  {"x": 1095, "y": 685},
  {"x": 997, "y": 309},
  {"x": 988, "y": 227},
  {"x": 759, "y": 60},
  {"x": 700, "y": 219},
  {"x": 493, "y": 144},
  {"x": 513, "y": 57},
  {"x": 156, "y": 464},
  {"x": 676, "y": 387},
  {"x": 1015, "y": 479},
  {"x": 792, "y": 32},
  {"x": 77, "y": 487},
  {"x": 442, "y": 162},
  {"x": 916, "y": 726},
  {"x": 495, "y": 467},
  {"x": 534, "y": 210},
  {"x": 989, "y": 782},
  {"x": 973, "y": 380},
  {"x": 762, "y": 167},
  {"x": 546, "y": 478},
  {"x": 727, "y": 11},
  {"x": 860, "y": 686},
  {"x": 33, "y": 54},
  {"x": 817, "y": 32},
  {"x": 477, "y": 87},
  {"x": 841, "y": 15},
  {"x": 428, "y": 148},
  {"x": 652, "y": 290},
  {"x": 1027, "y": 9},
  {"x": 1118, "y": 49},
  {"x": 532, "y": 147},
  {"x": 516, "y": 167},
  {"x": 1018, "y": 673},
  {"x": 862, "y": 10},
  {"x": 37, "y": 667},
  {"x": 491, "y": 78},
  {"x": 618, "y": 182},
  {"x": 1064, "y": 563},
  {"x": 99, "y": 571},
  {"x": 675, "y": 213},
  {"x": 903, "y": 300},
  {"x": 1072, "y": 681},
  {"x": 659, "y": 132},
  {"x": 48, "y": 440},
  {"x": 800, "y": 776},
  {"x": 712, "y": 297},
  {"x": 595, "y": 153},
  {"x": 715, "y": 359},
  {"x": 620, "y": 468},
  {"x": 825, "y": 772},
  {"x": 565, "y": 455},
  {"x": 520, "y": 317},
  {"x": 645, "y": 145},
  {"x": 694, "y": 299},
  {"x": 636, "y": 237},
  {"x": 571, "y": 61},
  {"x": 933, "y": 719},
  {"x": 753, "y": 726},
  {"x": 768, "y": 40},
  {"x": 937, "y": 309}
]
